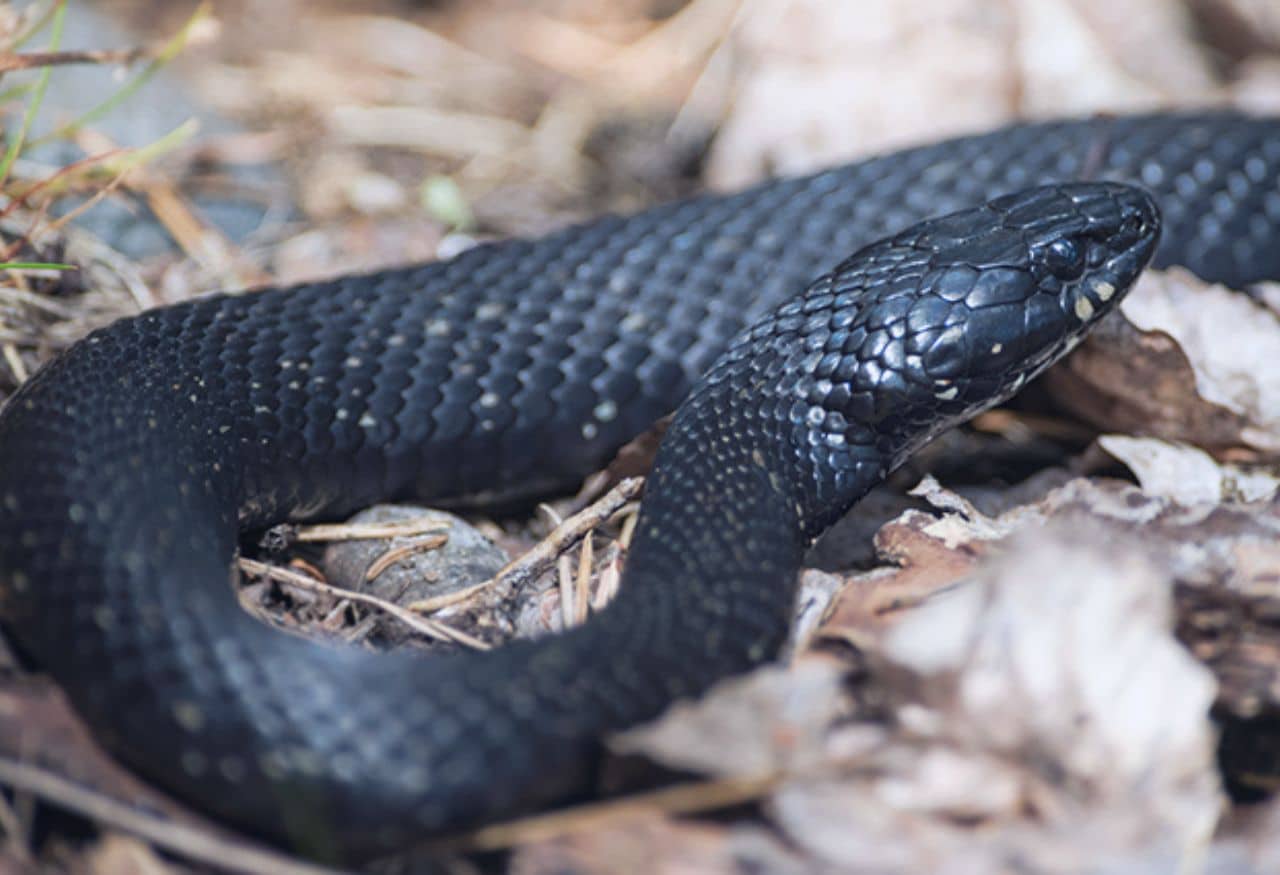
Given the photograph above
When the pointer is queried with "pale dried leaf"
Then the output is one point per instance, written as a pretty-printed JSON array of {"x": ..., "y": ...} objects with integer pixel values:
[
  {"x": 1186, "y": 474},
  {"x": 771, "y": 719},
  {"x": 1065, "y": 646},
  {"x": 821, "y": 81},
  {"x": 1080, "y": 56},
  {"x": 800, "y": 59},
  {"x": 1227, "y": 338}
]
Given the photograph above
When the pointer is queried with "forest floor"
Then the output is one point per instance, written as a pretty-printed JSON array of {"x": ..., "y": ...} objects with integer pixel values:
[{"x": 1033, "y": 650}]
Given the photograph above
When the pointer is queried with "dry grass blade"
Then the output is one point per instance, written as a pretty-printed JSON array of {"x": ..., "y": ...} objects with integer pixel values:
[
  {"x": 31, "y": 21},
  {"x": 161, "y": 57},
  {"x": 38, "y": 302},
  {"x": 610, "y": 580},
  {"x": 431, "y": 628},
  {"x": 425, "y": 525},
  {"x": 13, "y": 826},
  {"x": 581, "y": 595},
  {"x": 58, "y": 15},
  {"x": 60, "y": 180},
  {"x": 440, "y": 602},
  {"x": 428, "y": 130},
  {"x": 629, "y": 528},
  {"x": 681, "y": 799},
  {"x": 121, "y": 164},
  {"x": 14, "y": 360}
]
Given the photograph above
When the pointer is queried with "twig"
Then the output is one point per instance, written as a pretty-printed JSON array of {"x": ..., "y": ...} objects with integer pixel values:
[
  {"x": 581, "y": 595},
  {"x": 9, "y": 63},
  {"x": 564, "y": 568},
  {"x": 431, "y": 628},
  {"x": 533, "y": 564},
  {"x": 21, "y": 199},
  {"x": 423, "y": 525},
  {"x": 191, "y": 842}
]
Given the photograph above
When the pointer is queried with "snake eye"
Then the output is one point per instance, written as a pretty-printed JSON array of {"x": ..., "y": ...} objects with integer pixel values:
[
  {"x": 1132, "y": 227},
  {"x": 1065, "y": 259}
]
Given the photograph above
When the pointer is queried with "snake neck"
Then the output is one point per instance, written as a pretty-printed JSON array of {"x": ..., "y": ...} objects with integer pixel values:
[{"x": 736, "y": 497}]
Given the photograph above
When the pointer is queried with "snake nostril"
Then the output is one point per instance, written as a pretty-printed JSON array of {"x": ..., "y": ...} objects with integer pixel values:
[{"x": 1134, "y": 226}]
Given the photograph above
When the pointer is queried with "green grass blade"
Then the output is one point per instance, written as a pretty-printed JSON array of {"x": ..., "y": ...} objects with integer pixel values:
[
  {"x": 37, "y": 98},
  {"x": 36, "y": 25},
  {"x": 166, "y": 54},
  {"x": 34, "y": 265}
]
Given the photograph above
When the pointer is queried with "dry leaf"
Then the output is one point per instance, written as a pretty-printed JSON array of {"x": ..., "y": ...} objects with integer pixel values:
[
  {"x": 823, "y": 81},
  {"x": 1229, "y": 340},
  {"x": 1187, "y": 363},
  {"x": 771, "y": 719},
  {"x": 1186, "y": 474}
]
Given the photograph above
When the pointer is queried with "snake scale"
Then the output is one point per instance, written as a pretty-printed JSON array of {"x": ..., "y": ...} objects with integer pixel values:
[{"x": 129, "y": 464}]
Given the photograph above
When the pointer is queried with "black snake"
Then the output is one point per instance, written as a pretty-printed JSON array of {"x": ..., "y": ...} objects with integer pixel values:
[{"x": 129, "y": 464}]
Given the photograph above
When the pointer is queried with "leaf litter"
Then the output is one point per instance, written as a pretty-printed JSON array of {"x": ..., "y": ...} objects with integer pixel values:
[{"x": 1030, "y": 676}]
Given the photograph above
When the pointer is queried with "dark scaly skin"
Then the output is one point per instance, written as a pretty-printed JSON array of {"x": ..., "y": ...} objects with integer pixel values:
[{"x": 128, "y": 465}]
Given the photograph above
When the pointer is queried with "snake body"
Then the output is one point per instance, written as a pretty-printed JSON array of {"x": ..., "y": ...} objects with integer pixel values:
[{"x": 130, "y": 463}]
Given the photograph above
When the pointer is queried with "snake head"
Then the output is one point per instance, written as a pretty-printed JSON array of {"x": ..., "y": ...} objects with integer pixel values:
[
  {"x": 922, "y": 331},
  {"x": 1044, "y": 267},
  {"x": 919, "y": 332}
]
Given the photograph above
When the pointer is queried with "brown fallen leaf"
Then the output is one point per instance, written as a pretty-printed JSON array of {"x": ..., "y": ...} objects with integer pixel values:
[
  {"x": 1039, "y": 694},
  {"x": 1187, "y": 363},
  {"x": 931, "y": 552},
  {"x": 1240, "y": 27},
  {"x": 1229, "y": 340}
]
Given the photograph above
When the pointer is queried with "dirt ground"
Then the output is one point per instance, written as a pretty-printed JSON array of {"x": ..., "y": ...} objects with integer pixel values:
[{"x": 951, "y": 701}]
